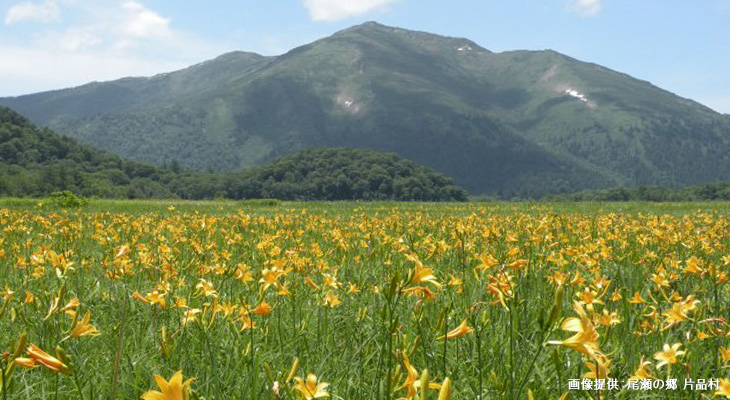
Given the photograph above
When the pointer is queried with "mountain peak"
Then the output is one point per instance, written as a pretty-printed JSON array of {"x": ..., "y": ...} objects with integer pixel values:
[{"x": 376, "y": 30}]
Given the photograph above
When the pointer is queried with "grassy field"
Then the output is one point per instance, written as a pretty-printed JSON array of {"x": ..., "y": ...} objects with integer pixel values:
[{"x": 269, "y": 300}]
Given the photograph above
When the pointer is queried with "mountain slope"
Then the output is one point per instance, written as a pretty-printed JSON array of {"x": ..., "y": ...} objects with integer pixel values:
[
  {"x": 37, "y": 162},
  {"x": 514, "y": 124}
]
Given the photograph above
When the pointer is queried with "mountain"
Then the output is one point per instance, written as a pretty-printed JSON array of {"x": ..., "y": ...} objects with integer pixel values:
[{"x": 521, "y": 123}]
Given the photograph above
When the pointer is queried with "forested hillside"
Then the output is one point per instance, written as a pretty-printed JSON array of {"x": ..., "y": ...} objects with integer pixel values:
[{"x": 37, "y": 162}]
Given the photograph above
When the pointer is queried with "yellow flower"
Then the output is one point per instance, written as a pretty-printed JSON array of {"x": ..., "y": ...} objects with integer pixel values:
[
  {"x": 461, "y": 330},
  {"x": 247, "y": 323},
  {"x": 72, "y": 305},
  {"x": 420, "y": 291},
  {"x": 455, "y": 281},
  {"x": 607, "y": 319},
  {"x": 311, "y": 283},
  {"x": 668, "y": 355},
  {"x": 642, "y": 371},
  {"x": 679, "y": 311},
  {"x": 725, "y": 354},
  {"x": 46, "y": 360},
  {"x": 263, "y": 309},
  {"x": 724, "y": 388},
  {"x": 353, "y": 289},
  {"x": 588, "y": 298},
  {"x": 175, "y": 389},
  {"x": 205, "y": 289},
  {"x": 445, "y": 392},
  {"x": 7, "y": 294},
  {"x": 585, "y": 339},
  {"x": 637, "y": 299},
  {"x": 84, "y": 328},
  {"x": 331, "y": 300},
  {"x": 25, "y": 362},
  {"x": 599, "y": 368},
  {"x": 412, "y": 382},
  {"x": 190, "y": 316},
  {"x": 311, "y": 388},
  {"x": 270, "y": 277},
  {"x": 422, "y": 273},
  {"x": 29, "y": 297}
]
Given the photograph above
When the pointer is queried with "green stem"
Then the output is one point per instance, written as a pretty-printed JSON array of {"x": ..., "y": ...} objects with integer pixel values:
[
  {"x": 3, "y": 379},
  {"x": 78, "y": 385},
  {"x": 524, "y": 380},
  {"x": 479, "y": 361},
  {"x": 253, "y": 364},
  {"x": 511, "y": 353}
]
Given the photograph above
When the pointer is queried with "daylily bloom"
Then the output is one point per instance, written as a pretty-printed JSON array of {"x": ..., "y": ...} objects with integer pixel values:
[
  {"x": 420, "y": 291},
  {"x": 84, "y": 328},
  {"x": 461, "y": 330},
  {"x": 637, "y": 299},
  {"x": 205, "y": 289},
  {"x": 725, "y": 354},
  {"x": 270, "y": 277},
  {"x": 585, "y": 339},
  {"x": 668, "y": 355},
  {"x": 47, "y": 360},
  {"x": 598, "y": 368},
  {"x": 263, "y": 309},
  {"x": 7, "y": 294},
  {"x": 72, "y": 305},
  {"x": 422, "y": 273},
  {"x": 25, "y": 362},
  {"x": 311, "y": 388},
  {"x": 412, "y": 382},
  {"x": 331, "y": 300},
  {"x": 190, "y": 316},
  {"x": 642, "y": 371},
  {"x": 175, "y": 389},
  {"x": 445, "y": 392},
  {"x": 723, "y": 388},
  {"x": 353, "y": 289}
]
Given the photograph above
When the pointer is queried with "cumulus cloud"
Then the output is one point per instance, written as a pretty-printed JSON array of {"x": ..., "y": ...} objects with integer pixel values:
[
  {"x": 587, "y": 8},
  {"x": 47, "y": 11},
  {"x": 109, "y": 40},
  {"x": 143, "y": 23},
  {"x": 334, "y": 10},
  {"x": 41, "y": 69},
  {"x": 77, "y": 38}
]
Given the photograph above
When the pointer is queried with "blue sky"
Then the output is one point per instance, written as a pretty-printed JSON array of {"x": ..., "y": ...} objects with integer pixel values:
[{"x": 680, "y": 45}]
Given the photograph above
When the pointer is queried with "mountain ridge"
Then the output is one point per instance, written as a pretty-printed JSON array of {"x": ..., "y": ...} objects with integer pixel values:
[{"x": 517, "y": 123}]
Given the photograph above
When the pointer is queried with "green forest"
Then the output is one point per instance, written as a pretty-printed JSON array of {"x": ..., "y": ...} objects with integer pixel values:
[
  {"x": 36, "y": 162},
  {"x": 707, "y": 192}
]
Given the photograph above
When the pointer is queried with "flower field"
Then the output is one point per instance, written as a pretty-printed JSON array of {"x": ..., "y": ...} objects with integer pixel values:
[{"x": 363, "y": 301}]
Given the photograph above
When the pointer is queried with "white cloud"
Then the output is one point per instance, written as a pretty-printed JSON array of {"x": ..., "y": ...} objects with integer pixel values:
[
  {"x": 110, "y": 40},
  {"x": 47, "y": 11},
  {"x": 142, "y": 23},
  {"x": 587, "y": 8},
  {"x": 77, "y": 38},
  {"x": 41, "y": 69},
  {"x": 334, "y": 10}
]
